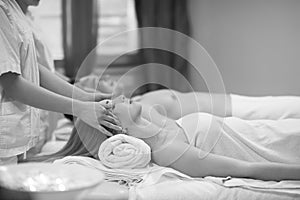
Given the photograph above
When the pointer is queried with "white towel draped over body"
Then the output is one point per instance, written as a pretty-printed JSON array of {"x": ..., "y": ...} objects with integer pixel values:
[
  {"x": 123, "y": 151},
  {"x": 248, "y": 140}
]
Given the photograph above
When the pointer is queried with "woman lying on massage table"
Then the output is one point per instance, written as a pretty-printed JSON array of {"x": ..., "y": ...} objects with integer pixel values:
[{"x": 201, "y": 144}]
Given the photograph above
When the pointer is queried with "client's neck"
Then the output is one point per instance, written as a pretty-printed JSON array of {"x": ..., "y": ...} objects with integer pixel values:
[
  {"x": 157, "y": 135},
  {"x": 145, "y": 128},
  {"x": 151, "y": 124}
]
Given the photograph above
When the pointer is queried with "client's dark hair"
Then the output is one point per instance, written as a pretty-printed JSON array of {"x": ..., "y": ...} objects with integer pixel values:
[{"x": 84, "y": 141}]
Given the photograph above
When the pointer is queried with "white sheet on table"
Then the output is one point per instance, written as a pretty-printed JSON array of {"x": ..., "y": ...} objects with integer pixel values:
[
  {"x": 205, "y": 190},
  {"x": 166, "y": 183},
  {"x": 282, "y": 187}
]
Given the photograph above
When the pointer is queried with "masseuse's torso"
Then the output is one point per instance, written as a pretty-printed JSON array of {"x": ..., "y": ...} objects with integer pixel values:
[{"x": 19, "y": 123}]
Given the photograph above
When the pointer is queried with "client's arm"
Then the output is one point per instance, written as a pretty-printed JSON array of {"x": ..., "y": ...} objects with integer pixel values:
[
  {"x": 216, "y": 104},
  {"x": 194, "y": 162},
  {"x": 174, "y": 104}
]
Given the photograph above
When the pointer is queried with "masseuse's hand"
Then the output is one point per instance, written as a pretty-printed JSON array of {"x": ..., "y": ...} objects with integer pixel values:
[{"x": 97, "y": 115}]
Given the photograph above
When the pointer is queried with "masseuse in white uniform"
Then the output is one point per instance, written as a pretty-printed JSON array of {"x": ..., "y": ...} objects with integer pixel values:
[{"x": 26, "y": 86}]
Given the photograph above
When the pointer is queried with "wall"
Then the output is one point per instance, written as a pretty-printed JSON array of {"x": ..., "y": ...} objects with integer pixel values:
[{"x": 255, "y": 44}]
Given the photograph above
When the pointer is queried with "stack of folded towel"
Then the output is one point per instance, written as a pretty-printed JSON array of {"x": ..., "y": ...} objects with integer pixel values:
[
  {"x": 123, "y": 159},
  {"x": 124, "y": 152}
]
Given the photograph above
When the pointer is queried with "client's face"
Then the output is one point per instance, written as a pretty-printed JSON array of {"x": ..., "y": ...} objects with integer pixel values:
[
  {"x": 128, "y": 112},
  {"x": 131, "y": 116}
]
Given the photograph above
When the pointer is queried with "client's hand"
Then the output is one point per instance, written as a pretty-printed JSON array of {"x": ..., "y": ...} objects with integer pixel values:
[{"x": 96, "y": 114}]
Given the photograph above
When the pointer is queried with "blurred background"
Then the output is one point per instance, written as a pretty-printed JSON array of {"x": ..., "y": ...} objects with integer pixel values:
[{"x": 255, "y": 44}]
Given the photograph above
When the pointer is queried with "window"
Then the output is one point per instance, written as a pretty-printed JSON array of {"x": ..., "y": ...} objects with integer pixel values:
[
  {"x": 116, "y": 16},
  {"x": 48, "y": 16}
]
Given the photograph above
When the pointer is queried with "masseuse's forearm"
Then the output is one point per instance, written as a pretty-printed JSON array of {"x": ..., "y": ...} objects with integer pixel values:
[
  {"x": 52, "y": 82},
  {"x": 24, "y": 91}
]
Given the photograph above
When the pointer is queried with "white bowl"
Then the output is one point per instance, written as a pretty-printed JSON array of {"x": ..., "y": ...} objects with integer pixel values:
[{"x": 45, "y": 181}]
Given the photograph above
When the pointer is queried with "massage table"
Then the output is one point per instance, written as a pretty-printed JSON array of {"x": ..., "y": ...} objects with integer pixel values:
[{"x": 165, "y": 183}]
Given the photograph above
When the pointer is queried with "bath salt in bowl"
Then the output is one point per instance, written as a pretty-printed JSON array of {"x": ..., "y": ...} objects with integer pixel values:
[{"x": 49, "y": 181}]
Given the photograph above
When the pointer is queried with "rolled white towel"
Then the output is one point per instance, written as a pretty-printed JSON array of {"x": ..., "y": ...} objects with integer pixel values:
[{"x": 123, "y": 151}]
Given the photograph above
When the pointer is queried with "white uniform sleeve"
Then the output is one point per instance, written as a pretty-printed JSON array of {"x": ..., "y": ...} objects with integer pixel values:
[
  {"x": 9, "y": 46},
  {"x": 267, "y": 107}
]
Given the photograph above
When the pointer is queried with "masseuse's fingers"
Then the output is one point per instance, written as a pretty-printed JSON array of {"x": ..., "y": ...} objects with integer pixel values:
[
  {"x": 102, "y": 112},
  {"x": 110, "y": 125},
  {"x": 86, "y": 111},
  {"x": 103, "y": 130},
  {"x": 111, "y": 120},
  {"x": 109, "y": 113}
]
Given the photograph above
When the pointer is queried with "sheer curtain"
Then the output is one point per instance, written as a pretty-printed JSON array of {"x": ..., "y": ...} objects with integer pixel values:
[{"x": 171, "y": 14}]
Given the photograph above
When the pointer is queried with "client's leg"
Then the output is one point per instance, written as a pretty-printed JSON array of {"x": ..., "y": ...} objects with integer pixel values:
[{"x": 268, "y": 107}]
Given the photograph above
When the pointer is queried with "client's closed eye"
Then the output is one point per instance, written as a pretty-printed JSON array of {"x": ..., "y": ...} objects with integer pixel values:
[{"x": 119, "y": 99}]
